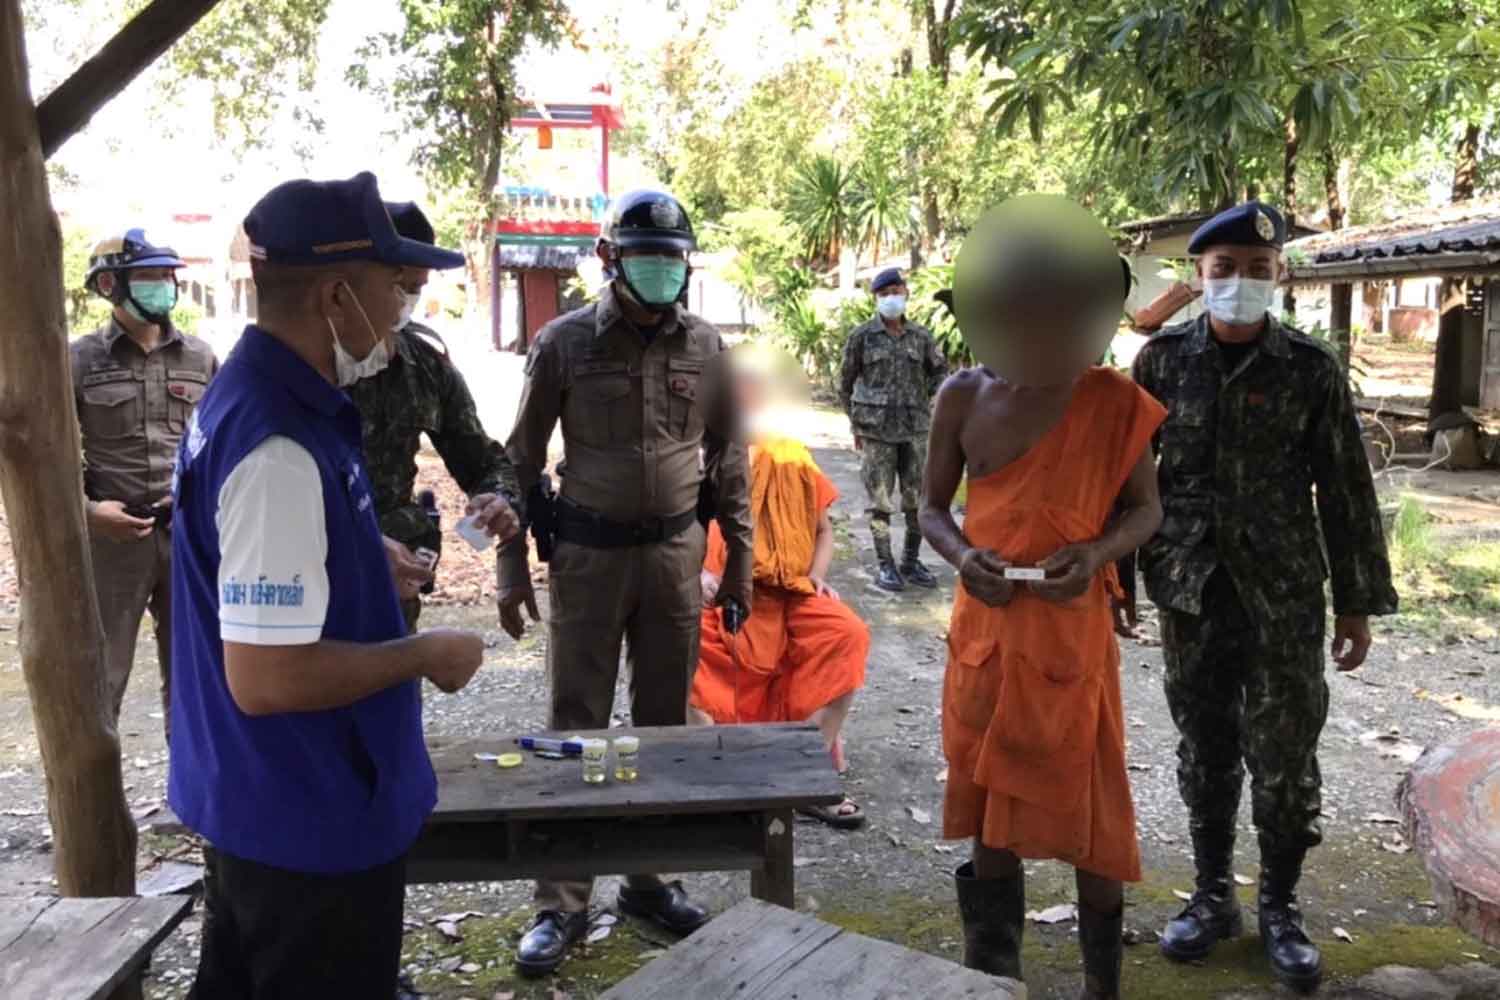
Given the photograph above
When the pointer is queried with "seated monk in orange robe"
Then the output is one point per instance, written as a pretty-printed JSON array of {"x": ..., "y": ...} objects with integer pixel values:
[
  {"x": 801, "y": 653},
  {"x": 1033, "y": 726}
]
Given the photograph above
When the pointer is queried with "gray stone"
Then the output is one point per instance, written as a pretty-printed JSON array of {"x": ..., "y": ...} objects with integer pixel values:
[{"x": 1397, "y": 982}]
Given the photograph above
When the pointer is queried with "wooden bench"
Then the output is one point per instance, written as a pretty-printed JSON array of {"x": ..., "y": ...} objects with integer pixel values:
[
  {"x": 760, "y": 952},
  {"x": 709, "y": 798},
  {"x": 82, "y": 949}
]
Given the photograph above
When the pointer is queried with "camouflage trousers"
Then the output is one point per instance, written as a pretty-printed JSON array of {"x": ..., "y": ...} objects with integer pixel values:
[
  {"x": 1247, "y": 696},
  {"x": 884, "y": 465}
]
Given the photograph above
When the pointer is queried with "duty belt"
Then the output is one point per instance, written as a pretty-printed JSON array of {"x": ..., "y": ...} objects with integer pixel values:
[{"x": 584, "y": 527}]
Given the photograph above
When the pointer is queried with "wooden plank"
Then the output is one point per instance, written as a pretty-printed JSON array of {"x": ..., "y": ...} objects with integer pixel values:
[
  {"x": 492, "y": 852},
  {"x": 137, "y": 45},
  {"x": 80, "y": 948},
  {"x": 1451, "y": 802},
  {"x": 684, "y": 769},
  {"x": 776, "y": 881},
  {"x": 739, "y": 954},
  {"x": 761, "y": 952}
]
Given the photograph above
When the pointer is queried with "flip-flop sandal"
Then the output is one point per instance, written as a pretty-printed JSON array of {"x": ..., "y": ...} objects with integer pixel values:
[{"x": 835, "y": 816}]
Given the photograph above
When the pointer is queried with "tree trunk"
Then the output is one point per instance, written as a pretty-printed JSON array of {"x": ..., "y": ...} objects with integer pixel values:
[
  {"x": 1466, "y": 163},
  {"x": 1289, "y": 200},
  {"x": 1447, "y": 366},
  {"x": 1341, "y": 297},
  {"x": 61, "y": 641}
]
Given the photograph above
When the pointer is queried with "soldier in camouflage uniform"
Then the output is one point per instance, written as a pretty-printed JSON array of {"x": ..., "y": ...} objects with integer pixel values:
[
  {"x": 420, "y": 391},
  {"x": 1261, "y": 418},
  {"x": 892, "y": 369}
]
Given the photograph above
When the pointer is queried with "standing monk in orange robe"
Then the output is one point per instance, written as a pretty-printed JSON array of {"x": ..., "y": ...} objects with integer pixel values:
[
  {"x": 1033, "y": 726},
  {"x": 801, "y": 653}
]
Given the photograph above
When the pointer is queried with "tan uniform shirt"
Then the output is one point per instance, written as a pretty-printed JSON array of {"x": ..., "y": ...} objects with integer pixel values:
[
  {"x": 642, "y": 423},
  {"x": 133, "y": 409}
]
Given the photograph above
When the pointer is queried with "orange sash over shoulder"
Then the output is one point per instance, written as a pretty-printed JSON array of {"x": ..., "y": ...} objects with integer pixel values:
[{"x": 1032, "y": 716}]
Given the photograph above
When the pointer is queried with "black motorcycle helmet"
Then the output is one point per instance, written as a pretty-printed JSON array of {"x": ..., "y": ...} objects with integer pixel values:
[{"x": 646, "y": 219}]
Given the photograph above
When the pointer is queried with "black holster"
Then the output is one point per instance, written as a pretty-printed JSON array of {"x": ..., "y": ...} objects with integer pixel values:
[{"x": 541, "y": 513}]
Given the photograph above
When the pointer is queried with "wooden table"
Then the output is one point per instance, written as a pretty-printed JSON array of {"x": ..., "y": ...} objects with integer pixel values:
[
  {"x": 760, "y": 952},
  {"x": 1451, "y": 804},
  {"x": 81, "y": 949},
  {"x": 709, "y": 798}
]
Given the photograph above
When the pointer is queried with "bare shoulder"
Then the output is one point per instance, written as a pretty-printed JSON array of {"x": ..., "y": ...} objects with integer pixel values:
[{"x": 959, "y": 392}]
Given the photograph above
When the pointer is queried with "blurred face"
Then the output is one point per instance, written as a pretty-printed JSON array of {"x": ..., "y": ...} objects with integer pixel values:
[{"x": 1038, "y": 288}]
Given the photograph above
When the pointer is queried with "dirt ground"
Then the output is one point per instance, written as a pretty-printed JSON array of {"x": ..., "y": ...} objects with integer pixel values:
[{"x": 893, "y": 879}]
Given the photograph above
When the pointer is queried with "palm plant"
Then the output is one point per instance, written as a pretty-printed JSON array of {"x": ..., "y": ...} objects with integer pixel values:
[
  {"x": 819, "y": 200},
  {"x": 881, "y": 208}
]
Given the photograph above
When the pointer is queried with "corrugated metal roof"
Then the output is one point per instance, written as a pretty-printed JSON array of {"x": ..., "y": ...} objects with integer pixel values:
[
  {"x": 540, "y": 257},
  {"x": 1469, "y": 227}
]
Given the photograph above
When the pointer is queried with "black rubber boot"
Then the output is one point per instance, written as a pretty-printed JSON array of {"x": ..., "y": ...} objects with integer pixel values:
[
  {"x": 1213, "y": 914},
  {"x": 1294, "y": 958},
  {"x": 542, "y": 950},
  {"x": 994, "y": 916},
  {"x": 913, "y": 571},
  {"x": 887, "y": 578},
  {"x": 1102, "y": 940}
]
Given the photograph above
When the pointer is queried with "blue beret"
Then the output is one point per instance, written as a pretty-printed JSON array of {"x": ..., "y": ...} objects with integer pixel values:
[
  {"x": 885, "y": 279},
  {"x": 1253, "y": 224},
  {"x": 325, "y": 222}
]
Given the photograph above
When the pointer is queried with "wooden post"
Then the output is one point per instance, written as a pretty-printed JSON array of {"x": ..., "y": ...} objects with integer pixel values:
[
  {"x": 1341, "y": 320},
  {"x": 62, "y": 643}
]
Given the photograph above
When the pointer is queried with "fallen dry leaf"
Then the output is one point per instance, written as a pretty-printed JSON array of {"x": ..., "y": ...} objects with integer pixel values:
[
  {"x": 1343, "y": 935},
  {"x": 1462, "y": 706},
  {"x": 921, "y": 816},
  {"x": 1186, "y": 897},
  {"x": 942, "y": 776},
  {"x": 1054, "y": 914},
  {"x": 1382, "y": 819},
  {"x": 599, "y": 934},
  {"x": 449, "y": 930},
  {"x": 1243, "y": 880},
  {"x": 1396, "y": 846}
]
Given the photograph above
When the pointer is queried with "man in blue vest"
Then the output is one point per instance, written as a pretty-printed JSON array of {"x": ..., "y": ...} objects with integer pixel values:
[{"x": 297, "y": 748}]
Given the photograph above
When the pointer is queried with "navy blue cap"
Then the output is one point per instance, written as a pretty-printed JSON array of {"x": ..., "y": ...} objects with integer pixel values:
[
  {"x": 326, "y": 222},
  {"x": 885, "y": 279},
  {"x": 1253, "y": 224}
]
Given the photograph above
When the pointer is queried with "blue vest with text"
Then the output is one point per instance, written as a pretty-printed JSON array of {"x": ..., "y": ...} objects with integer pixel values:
[{"x": 328, "y": 792}]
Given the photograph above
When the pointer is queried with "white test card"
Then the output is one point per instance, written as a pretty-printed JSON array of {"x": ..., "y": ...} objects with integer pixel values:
[
  {"x": 478, "y": 538},
  {"x": 1025, "y": 573}
]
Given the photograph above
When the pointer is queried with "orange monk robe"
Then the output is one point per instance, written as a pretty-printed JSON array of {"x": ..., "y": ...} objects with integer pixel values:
[
  {"x": 1033, "y": 726},
  {"x": 799, "y": 650}
]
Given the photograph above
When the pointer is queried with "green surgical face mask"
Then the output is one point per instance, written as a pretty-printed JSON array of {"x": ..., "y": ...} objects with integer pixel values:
[
  {"x": 154, "y": 298},
  {"x": 657, "y": 281}
]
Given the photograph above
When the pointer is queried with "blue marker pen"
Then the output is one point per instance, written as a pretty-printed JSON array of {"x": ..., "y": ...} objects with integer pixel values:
[{"x": 541, "y": 744}]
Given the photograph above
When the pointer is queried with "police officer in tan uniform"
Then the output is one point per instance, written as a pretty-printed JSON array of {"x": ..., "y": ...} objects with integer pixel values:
[
  {"x": 646, "y": 419},
  {"x": 135, "y": 382}
]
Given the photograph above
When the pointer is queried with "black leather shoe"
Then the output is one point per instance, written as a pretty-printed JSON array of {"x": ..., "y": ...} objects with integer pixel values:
[
  {"x": 1294, "y": 958},
  {"x": 889, "y": 579},
  {"x": 668, "y": 906},
  {"x": 541, "y": 951},
  {"x": 918, "y": 575}
]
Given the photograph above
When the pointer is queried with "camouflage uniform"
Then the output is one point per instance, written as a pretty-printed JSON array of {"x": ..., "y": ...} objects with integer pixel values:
[
  {"x": 1239, "y": 564},
  {"x": 886, "y": 385},
  {"x": 422, "y": 392}
]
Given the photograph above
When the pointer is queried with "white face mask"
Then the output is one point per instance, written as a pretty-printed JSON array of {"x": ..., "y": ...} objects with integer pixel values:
[
  {"x": 407, "y": 309},
  {"x": 891, "y": 306},
  {"x": 1238, "y": 301},
  {"x": 346, "y": 369}
]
